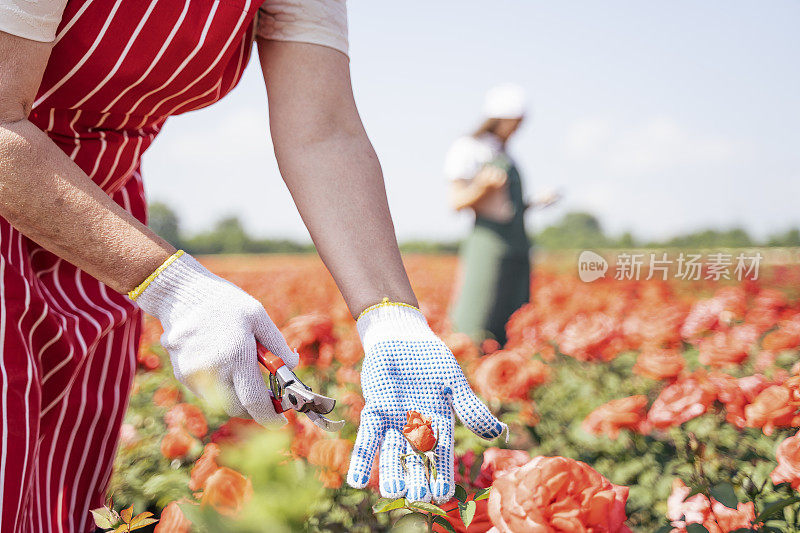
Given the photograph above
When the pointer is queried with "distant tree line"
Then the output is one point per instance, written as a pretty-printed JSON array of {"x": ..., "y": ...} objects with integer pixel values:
[
  {"x": 576, "y": 230},
  {"x": 583, "y": 230}
]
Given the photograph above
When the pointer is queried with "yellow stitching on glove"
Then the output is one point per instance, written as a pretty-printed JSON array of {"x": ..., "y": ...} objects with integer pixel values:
[
  {"x": 135, "y": 293},
  {"x": 384, "y": 303}
]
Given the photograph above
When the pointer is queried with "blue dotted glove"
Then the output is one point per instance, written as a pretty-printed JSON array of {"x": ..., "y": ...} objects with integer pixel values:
[{"x": 408, "y": 368}]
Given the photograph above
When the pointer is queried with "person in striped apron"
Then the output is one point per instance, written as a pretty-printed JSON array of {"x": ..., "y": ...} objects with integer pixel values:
[{"x": 85, "y": 87}]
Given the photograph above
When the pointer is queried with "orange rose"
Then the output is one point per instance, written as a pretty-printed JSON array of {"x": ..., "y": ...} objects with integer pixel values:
[
  {"x": 623, "y": 413},
  {"x": 227, "y": 491},
  {"x": 772, "y": 408},
  {"x": 166, "y": 396},
  {"x": 591, "y": 337},
  {"x": 509, "y": 375},
  {"x": 419, "y": 432},
  {"x": 187, "y": 416},
  {"x": 730, "y": 519},
  {"x": 333, "y": 456},
  {"x": 788, "y": 456},
  {"x": 498, "y": 462},
  {"x": 462, "y": 346},
  {"x": 786, "y": 337},
  {"x": 204, "y": 467},
  {"x": 728, "y": 348},
  {"x": 699, "y": 509},
  {"x": 235, "y": 430},
  {"x": 176, "y": 443},
  {"x": 735, "y": 394},
  {"x": 312, "y": 337},
  {"x": 305, "y": 434},
  {"x": 355, "y": 403},
  {"x": 680, "y": 402},
  {"x": 659, "y": 364},
  {"x": 557, "y": 494},
  {"x": 148, "y": 358},
  {"x": 172, "y": 520}
]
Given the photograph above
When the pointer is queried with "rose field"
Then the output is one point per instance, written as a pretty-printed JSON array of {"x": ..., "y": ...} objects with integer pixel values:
[{"x": 632, "y": 406}]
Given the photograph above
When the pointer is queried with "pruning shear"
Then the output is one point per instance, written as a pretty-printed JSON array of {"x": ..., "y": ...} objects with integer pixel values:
[{"x": 288, "y": 392}]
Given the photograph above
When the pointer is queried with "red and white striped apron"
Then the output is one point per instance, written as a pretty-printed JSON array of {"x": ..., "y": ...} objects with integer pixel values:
[{"x": 119, "y": 68}]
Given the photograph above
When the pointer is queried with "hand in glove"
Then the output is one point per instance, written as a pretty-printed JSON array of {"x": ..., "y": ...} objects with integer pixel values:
[
  {"x": 210, "y": 331},
  {"x": 407, "y": 367}
]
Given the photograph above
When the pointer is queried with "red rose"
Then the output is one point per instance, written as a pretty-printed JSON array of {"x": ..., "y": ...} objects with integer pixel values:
[
  {"x": 187, "y": 416},
  {"x": 419, "y": 432}
]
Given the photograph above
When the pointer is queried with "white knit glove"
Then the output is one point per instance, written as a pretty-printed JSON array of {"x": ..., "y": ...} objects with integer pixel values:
[
  {"x": 408, "y": 368},
  {"x": 210, "y": 331}
]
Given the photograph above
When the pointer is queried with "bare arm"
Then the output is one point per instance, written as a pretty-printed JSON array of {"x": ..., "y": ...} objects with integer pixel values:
[
  {"x": 468, "y": 193},
  {"x": 332, "y": 171},
  {"x": 49, "y": 199}
]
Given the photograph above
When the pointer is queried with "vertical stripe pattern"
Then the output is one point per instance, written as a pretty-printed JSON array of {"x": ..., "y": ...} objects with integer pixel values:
[{"x": 68, "y": 344}]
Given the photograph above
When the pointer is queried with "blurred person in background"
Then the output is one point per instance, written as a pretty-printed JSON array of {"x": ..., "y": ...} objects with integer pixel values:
[{"x": 495, "y": 258}]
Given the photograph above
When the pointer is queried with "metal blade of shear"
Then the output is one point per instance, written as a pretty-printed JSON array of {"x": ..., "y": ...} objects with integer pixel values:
[{"x": 325, "y": 423}]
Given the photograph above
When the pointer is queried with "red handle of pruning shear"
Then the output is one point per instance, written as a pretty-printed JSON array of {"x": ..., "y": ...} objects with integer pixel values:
[{"x": 272, "y": 363}]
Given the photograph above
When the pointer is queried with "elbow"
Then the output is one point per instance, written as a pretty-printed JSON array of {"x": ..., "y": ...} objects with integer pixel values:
[{"x": 14, "y": 110}]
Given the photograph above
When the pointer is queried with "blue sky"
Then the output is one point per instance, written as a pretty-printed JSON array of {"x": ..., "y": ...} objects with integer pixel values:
[{"x": 659, "y": 118}]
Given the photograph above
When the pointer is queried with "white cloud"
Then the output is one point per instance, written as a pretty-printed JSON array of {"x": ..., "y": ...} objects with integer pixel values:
[{"x": 659, "y": 144}]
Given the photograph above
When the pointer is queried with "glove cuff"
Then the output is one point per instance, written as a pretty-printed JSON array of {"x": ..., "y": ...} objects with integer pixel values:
[
  {"x": 179, "y": 283},
  {"x": 392, "y": 321}
]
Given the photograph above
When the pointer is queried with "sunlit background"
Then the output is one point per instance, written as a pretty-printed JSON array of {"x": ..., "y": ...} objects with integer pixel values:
[{"x": 659, "y": 119}]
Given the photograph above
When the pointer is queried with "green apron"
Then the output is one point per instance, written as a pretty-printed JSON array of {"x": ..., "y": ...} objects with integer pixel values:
[{"x": 495, "y": 269}]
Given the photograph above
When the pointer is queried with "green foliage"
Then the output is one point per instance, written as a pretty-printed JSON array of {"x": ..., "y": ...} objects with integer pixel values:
[
  {"x": 229, "y": 237},
  {"x": 283, "y": 491},
  {"x": 574, "y": 230},
  {"x": 164, "y": 221}
]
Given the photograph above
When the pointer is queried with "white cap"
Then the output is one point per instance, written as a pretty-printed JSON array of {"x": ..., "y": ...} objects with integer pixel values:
[{"x": 505, "y": 101}]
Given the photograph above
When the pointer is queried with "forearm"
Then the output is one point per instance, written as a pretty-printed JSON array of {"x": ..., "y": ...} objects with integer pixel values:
[
  {"x": 338, "y": 187},
  {"x": 464, "y": 195},
  {"x": 49, "y": 199}
]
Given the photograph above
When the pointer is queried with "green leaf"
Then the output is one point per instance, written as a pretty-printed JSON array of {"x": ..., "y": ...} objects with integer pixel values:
[
  {"x": 775, "y": 507},
  {"x": 696, "y": 528},
  {"x": 139, "y": 517},
  {"x": 725, "y": 495},
  {"x": 384, "y": 505},
  {"x": 144, "y": 522},
  {"x": 482, "y": 494},
  {"x": 467, "y": 511},
  {"x": 695, "y": 491},
  {"x": 127, "y": 514},
  {"x": 461, "y": 494},
  {"x": 427, "y": 507},
  {"x": 445, "y": 524},
  {"x": 664, "y": 529},
  {"x": 105, "y": 518}
]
